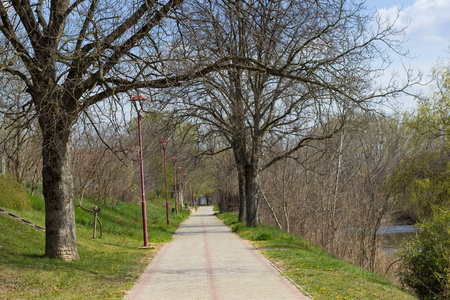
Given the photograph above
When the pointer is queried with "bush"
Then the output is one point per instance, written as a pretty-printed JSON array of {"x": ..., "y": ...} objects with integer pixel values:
[
  {"x": 426, "y": 258},
  {"x": 12, "y": 194},
  {"x": 420, "y": 182},
  {"x": 37, "y": 202}
]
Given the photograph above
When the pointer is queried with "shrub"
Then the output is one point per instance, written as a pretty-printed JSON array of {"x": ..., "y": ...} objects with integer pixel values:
[
  {"x": 426, "y": 258},
  {"x": 420, "y": 182},
  {"x": 12, "y": 194},
  {"x": 37, "y": 202}
]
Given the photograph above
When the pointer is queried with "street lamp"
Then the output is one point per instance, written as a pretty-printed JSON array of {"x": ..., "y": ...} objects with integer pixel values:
[
  {"x": 174, "y": 160},
  {"x": 194, "y": 203},
  {"x": 181, "y": 198},
  {"x": 141, "y": 161},
  {"x": 164, "y": 143},
  {"x": 184, "y": 187},
  {"x": 190, "y": 191}
]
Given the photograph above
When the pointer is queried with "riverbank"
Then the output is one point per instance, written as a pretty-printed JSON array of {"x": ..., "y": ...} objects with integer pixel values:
[
  {"x": 318, "y": 273},
  {"x": 392, "y": 237}
]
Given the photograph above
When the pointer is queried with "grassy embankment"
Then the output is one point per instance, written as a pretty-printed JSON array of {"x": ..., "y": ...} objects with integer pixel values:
[
  {"x": 107, "y": 268},
  {"x": 319, "y": 274}
]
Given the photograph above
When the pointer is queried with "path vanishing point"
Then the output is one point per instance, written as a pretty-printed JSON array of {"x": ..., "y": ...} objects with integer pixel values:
[{"x": 206, "y": 260}]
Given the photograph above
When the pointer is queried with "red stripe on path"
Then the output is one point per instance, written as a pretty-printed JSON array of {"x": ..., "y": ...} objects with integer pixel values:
[
  {"x": 210, "y": 270},
  {"x": 139, "y": 288}
]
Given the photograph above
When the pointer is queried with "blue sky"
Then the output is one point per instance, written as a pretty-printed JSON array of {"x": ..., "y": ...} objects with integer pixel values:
[{"x": 427, "y": 34}]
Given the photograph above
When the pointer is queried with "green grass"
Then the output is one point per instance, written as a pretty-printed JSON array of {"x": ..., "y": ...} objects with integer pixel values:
[
  {"x": 12, "y": 194},
  {"x": 318, "y": 273},
  {"x": 107, "y": 268}
]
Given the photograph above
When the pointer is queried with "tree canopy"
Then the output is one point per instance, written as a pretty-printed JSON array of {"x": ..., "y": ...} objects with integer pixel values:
[{"x": 299, "y": 70}]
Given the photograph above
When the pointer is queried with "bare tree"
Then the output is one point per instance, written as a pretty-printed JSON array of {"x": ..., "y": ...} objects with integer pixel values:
[
  {"x": 74, "y": 54},
  {"x": 19, "y": 133},
  {"x": 299, "y": 69},
  {"x": 340, "y": 198}
]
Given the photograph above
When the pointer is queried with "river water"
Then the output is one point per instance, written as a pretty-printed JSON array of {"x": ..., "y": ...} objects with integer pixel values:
[{"x": 392, "y": 237}]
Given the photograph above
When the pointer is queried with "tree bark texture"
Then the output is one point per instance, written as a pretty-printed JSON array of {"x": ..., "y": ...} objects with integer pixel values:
[
  {"x": 242, "y": 203},
  {"x": 60, "y": 239},
  {"x": 251, "y": 194},
  {"x": 241, "y": 186}
]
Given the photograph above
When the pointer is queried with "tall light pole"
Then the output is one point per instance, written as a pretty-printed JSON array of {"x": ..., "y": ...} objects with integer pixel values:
[
  {"x": 164, "y": 143},
  {"x": 141, "y": 161},
  {"x": 181, "y": 198},
  {"x": 194, "y": 203},
  {"x": 174, "y": 160},
  {"x": 184, "y": 187},
  {"x": 190, "y": 191}
]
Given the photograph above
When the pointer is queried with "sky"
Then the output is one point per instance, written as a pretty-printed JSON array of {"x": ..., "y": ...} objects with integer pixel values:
[{"x": 427, "y": 34}]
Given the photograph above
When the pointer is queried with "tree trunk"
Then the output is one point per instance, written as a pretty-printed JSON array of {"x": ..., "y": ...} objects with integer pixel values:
[
  {"x": 274, "y": 215},
  {"x": 251, "y": 194},
  {"x": 60, "y": 237},
  {"x": 242, "y": 199},
  {"x": 95, "y": 225},
  {"x": 34, "y": 181},
  {"x": 3, "y": 164}
]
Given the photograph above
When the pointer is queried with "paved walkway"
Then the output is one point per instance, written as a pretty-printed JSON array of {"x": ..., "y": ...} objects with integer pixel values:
[{"x": 208, "y": 261}]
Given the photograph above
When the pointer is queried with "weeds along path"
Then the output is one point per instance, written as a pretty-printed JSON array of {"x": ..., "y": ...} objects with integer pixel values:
[{"x": 208, "y": 261}]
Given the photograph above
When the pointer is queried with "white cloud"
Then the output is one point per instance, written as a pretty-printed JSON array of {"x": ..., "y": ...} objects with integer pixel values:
[
  {"x": 427, "y": 32},
  {"x": 426, "y": 20}
]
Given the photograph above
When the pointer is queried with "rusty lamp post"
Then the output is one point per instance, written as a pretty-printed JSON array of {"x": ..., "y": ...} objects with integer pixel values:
[
  {"x": 181, "y": 191},
  {"x": 174, "y": 160},
  {"x": 184, "y": 188},
  {"x": 190, "y": 191},
  {"x": 194, "y": 203},
  {"x": 164, "y": 143},
  {"x": 141, "y": 161}
]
